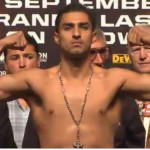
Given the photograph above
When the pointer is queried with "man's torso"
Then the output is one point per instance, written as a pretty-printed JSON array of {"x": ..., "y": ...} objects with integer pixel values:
[{"x": 53, "y": 121}]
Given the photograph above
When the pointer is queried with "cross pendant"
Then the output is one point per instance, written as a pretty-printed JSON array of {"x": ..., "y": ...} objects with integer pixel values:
[{"x": 77, "y": 144}]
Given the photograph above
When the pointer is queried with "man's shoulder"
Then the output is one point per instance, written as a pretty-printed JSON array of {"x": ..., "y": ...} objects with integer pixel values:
[
  {"x": 111, "y": 71},
  {"x": 114, "y": 75},
  {"x": 120, "y": 72},
  {"x": 52, "y": 71},
  {"x": 35, "y": 71}
]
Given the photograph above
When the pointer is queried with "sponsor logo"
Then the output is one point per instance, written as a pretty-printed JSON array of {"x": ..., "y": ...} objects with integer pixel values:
[
  {"x": 2, "y": 73},
  {"x": 43, "y": 57},
  {"x": 2, "y": 59},
  {"x": 121, "y": 59}
]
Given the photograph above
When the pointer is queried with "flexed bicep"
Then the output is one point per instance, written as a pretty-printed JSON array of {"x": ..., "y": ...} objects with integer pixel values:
[{"x": 139, "y": 35}]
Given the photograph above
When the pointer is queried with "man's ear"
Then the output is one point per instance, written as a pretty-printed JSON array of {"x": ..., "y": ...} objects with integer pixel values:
[{"x": 56, "y": 38}]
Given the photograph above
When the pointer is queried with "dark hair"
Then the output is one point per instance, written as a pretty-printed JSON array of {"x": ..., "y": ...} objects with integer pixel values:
[
  {"x": 75, "y": 7},
  {"x": 31, "y": 41}
]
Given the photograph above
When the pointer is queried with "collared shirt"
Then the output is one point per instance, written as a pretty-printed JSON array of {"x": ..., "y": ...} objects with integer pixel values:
[
  {"x": 144, "y": 112},
  {"x": 18, "y": 118}
]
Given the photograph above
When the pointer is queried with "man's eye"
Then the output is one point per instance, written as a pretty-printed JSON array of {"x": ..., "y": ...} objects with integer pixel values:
[
  {"x": 147, "y": 47},
  {"x": 29, "y": 56},
  {"x": 92, "y": 52},
  {"x": 85, "y": 26},
  {"x": 13, "y": 58},
  {"x": 67, "y": 27},
  {"x": 102, "y": 50},
  {"x": 136, "y": 49}
]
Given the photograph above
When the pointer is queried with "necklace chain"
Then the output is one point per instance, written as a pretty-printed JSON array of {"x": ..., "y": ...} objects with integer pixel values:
[{"x": 76, "y": 121}]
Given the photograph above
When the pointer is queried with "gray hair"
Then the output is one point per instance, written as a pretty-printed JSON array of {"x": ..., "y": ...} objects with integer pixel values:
[{"x": 99, "y": 34}]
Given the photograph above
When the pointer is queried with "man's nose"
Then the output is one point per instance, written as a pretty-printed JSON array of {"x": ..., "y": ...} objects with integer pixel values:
[
  {"x": 76, "y": 33},
  {"x": 143, "y": 53},
  {"x": 98, "y": 59},
  {"x": 22, "y": 63}
]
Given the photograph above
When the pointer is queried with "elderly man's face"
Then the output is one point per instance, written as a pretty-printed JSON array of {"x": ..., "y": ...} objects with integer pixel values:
[{"x": 99, "y": 52}]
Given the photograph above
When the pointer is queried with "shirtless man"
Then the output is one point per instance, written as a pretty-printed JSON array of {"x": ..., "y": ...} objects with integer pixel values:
[{"x": 75, "y": 104}]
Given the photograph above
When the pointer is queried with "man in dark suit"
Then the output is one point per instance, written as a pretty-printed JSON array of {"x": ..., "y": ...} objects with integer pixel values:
[
  {"x": 6, "y": 134},
  {"x": 30, "y": 137},
  {"x": 139, "y": 52},
  {"x": 14, "y": 62},
  {"x": 130, "y": 132}
]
